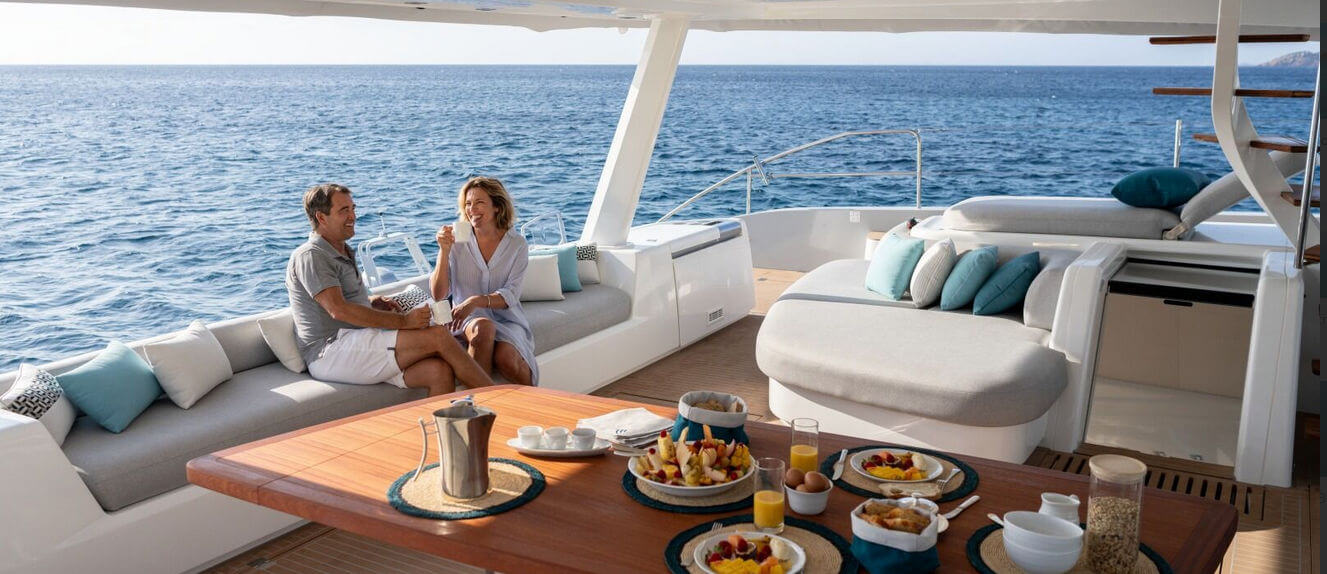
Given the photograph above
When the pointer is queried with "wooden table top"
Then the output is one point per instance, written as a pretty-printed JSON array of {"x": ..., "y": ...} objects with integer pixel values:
[{"x": 338, "y": 474}]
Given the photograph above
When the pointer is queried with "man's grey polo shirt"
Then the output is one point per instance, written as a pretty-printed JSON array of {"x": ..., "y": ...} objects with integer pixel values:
[{"x": 313, "y": 267}]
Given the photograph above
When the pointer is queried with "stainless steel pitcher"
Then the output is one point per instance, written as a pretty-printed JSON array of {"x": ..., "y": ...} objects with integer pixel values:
[{"x": 463, "y": 431}]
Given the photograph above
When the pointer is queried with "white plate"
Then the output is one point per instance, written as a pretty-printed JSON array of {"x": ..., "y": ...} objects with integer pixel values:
[
  {"x": 690, "y": 491},
  {"x": 702, "y": 550},
  {"x": 600, "y": 447},
  {"x": 932, "y": 467}
]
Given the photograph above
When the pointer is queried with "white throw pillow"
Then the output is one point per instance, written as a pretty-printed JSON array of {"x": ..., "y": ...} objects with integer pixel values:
[
  {"x": 928, "y": 280},
  {"x": 189, "y": 364},
  {"x": 278, "y": 330},
  {"x": 587, "y": 263},
  {"x": 542, "y": 281},
  {"x": 36, "y": 394}
]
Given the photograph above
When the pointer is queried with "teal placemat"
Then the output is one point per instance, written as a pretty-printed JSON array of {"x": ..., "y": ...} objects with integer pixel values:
[
  {"x": 970, "y": 478},
  {"x": 512, "y": 483}
]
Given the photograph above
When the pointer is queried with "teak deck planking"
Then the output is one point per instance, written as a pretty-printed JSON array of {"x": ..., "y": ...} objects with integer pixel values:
[{"x": 338, "y": 474}]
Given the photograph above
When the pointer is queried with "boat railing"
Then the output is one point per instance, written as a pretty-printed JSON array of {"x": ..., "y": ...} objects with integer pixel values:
[{"x": 758, "y": 169}]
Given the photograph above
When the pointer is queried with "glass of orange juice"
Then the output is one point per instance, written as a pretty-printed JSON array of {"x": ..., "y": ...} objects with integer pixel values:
[
  {"x": 769, "y": 495},
  {"x": 805, "y": 454}
]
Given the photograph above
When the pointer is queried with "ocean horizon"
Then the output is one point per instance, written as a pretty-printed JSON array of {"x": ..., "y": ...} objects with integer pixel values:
[{"x": 141, "y": 197}]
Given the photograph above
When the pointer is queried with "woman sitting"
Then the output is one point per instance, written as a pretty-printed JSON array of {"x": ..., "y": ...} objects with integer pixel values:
[{"x": 483, "y": 271}]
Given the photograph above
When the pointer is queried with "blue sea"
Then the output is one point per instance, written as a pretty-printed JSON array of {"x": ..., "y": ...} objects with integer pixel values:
[{"x": 139, "y": 198}]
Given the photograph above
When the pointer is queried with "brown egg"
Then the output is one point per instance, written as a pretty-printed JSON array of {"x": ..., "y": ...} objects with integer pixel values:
[
  {"x": 802, "y": 488},
  {"x": 793, "y": 478},
  {"x": 816, "y": 482}
]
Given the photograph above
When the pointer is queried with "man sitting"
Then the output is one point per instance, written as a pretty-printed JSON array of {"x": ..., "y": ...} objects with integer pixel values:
[{"x": 344, "y": 335}]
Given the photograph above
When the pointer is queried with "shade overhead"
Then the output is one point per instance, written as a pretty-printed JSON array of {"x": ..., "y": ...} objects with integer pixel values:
[{"x": 1044, "y": 16}]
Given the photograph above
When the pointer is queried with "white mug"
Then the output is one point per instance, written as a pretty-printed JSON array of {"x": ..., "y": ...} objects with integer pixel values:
[
  {"x": 441, "y": 312},
  {"x": 462, "y": 231}
]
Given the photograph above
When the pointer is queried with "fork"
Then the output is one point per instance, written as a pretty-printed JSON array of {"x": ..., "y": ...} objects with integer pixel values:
[{"x": 690, "y": 559}]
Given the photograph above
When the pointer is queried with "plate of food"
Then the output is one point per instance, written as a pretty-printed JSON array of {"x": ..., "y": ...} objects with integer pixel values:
[
  {"x": 895, "y": 465},
  {"x": 692, "y": 469},
  {"x": 749, "y": 552}
]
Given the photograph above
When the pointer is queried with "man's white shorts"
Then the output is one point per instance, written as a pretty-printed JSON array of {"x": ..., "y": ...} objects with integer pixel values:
[{"x": 359, "y": 357}]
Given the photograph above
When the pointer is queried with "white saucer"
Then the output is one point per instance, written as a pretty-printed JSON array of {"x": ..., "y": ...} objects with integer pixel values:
[{"x": 600, "y": 447}]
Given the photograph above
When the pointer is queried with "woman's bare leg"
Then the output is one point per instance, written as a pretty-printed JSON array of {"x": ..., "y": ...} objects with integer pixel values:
[
  {"x": 415, "y": 345},
  {"x": 431, "y": 373},
  {"x": 481, "y": 333},
  {"x": 511, "y": 364}
]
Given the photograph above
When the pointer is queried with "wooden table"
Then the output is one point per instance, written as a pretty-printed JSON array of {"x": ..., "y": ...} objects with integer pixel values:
[{"x": 338, "y": 473}]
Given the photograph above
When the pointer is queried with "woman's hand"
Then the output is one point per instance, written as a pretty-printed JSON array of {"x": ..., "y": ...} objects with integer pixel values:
[
  {"x": 460, "y": 312},
  {"x": 445, "y": 239}
]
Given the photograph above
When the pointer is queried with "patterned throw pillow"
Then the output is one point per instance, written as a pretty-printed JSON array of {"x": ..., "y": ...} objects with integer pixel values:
[
  {"x": 36, "y": 394},
  {"x": 410, "y": 298},
  {"x": 587, "y": 262}
]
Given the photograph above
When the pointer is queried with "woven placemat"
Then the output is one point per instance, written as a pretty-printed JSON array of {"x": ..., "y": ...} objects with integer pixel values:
[
  {"x": 735, "y": 498},
  {"x": 852, "y": 481},
  {"x": 511, "y": 484},
  {"x": 987, "y": 555},
  {"x": 826, "y": 551}
]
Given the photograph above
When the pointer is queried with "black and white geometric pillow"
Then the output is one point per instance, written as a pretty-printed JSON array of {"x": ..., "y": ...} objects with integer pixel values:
[
  {"x": 37, "y": 394},
  {"x": 410, "y": 298},
  {"x": 587, "y": 262}
]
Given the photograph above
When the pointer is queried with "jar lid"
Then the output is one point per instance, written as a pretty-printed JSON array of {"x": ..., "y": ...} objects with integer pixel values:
[{"x": 1117, "y": 468}]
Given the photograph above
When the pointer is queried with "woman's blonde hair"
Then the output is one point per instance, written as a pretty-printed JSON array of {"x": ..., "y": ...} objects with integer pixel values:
[{"x": 506, "y": 209}]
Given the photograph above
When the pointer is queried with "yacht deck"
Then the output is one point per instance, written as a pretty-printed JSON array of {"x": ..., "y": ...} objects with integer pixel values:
[{"x": 1279, "y": 528}]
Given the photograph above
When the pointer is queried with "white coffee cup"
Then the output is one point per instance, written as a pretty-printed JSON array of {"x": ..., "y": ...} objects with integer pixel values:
[
  {"x": 462, "y": 231},
  {"x": 582, "y": 439},
  {"x": 555, "y": 438},
  {"x": 530, "y": 436},
  {"x": 441, "y": 312}
]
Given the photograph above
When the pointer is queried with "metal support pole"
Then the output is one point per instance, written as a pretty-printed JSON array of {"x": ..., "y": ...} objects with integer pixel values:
[
  {"x": 748, "y": 193},
  {"x": 1179, "y": 130},
  {"x": 919, "y": 169},
  {"x": 1306, "y": 191}
]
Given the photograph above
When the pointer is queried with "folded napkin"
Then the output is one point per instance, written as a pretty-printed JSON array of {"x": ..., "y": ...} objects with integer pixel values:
[{"x": 636, "y": 423}]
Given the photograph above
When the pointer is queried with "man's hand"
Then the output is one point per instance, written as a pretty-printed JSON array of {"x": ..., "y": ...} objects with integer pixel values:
[
  {"x": 417, "y": 319},
  {"x": 383, "y": 304}
]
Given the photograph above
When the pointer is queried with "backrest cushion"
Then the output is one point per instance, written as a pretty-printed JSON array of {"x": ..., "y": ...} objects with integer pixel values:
[
  {"x": 1008, "y": 285},
  {"x": 279, "y": 333},
  {"x": 188, "y": 364},
  {"x": 1043, "y": 296},
  {"x": 892, "y": 265},
  {"x": 567, "y": 268},
  {"x": 969, "y": 274},
  {"x": 1161, "y": 187},
  {"x": 587, "y": 263},
  {"x": 113, "y": 388},
  {"x": 542, "y": 281},
  {"x": 932, "y": 270},
  {"x": 37, "y": 394}
]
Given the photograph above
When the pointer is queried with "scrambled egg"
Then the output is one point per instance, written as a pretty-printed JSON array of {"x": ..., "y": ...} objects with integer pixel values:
[
  {"x": 742, "y": 566},
  {"x": 890, "y": 473}
]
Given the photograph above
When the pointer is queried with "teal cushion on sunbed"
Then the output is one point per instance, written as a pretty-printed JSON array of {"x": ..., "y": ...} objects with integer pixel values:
[
  {"x": 1160, "y": 187},
  {"x": 892, "y": 265},
  {"x": 1008, "y": 285},
  {"x": 968, "y": 276},
  {"x": 567, "y": 270},
  {"x": 113, "y": 388}
]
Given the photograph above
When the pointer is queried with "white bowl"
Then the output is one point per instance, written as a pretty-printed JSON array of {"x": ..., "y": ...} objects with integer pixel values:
[
  {"x": 794, "y": 567},
  {"x": 1042, "y": 532},
  {"x": 933, "y": 468},
  {"x": 905, "y": 541},
  {"x": 807, "y": 503},
  {"x": 1040, "y": 562},
  {"x": 690, "y": 491}
]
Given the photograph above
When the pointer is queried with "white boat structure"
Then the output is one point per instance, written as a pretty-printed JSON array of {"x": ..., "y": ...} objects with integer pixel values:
[{"x": 1178, "y": 335}]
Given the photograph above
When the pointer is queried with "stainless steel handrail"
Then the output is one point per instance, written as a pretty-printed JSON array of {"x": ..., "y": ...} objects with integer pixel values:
[
  {"x": 1306, "y": 191},
  {"x": 758, "y": 166}
]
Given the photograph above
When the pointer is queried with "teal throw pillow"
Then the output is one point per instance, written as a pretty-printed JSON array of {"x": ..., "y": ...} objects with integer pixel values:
[
  {"x": 891, "y": 266},
  {"x": 1159, "y": 187},
  {"x": 567, "y": 270},
  {"x": 113, "y": 388},
  {"x": 968, "y": 276},
  {"x": 1008, "y": 286}
]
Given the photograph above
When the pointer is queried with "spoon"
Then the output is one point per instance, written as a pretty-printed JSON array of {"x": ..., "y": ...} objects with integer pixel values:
[
  {"x": 942, "y": 520},
  {"x": 995, "y": 519}
]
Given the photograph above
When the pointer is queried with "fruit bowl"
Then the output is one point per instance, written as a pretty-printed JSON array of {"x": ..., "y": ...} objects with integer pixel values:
[
  {"x": 690, "y": 491},
  {"x": 693, "y": 469}
]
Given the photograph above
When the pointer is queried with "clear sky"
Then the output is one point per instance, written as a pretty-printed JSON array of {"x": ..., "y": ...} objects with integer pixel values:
[{"x": 58, "y": 34}]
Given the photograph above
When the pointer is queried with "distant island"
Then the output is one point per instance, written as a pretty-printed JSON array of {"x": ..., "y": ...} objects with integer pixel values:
[{"x": 1302, "y": 59}]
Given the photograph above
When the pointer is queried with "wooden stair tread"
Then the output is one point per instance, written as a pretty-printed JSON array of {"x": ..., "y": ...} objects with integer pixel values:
[
  {"x": 1244, "y": 38},
  {"x": 1241, "y": 92},
  {"x": 1313, "y": 254},
  {"x": 1277, "y": 143},
  {"x": 1294, "y": 197}
]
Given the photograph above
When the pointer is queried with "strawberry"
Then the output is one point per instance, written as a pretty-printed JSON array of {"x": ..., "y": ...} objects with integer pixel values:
[
  {"x": 907, "y": 463},
  {"x": 652, "y": 451},
  {"x": 869, "y": 465},
  {"x": 726, "y": 548},
  {"x": 763, "y": 553},
  {"x": 743, "y": 545},
  {"x": 714, "y": 557},
  {"x": 889, "y": 458},
  {"x": 663, "y": 433},
  {"x": 876, "y": 459},
  {"x": 677, "y": 474}
]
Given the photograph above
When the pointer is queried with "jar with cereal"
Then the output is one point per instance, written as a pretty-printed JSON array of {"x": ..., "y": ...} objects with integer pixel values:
[{"x": 1114, "y": 508}]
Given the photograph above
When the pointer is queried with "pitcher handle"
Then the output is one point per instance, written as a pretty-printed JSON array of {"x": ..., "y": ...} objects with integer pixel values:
[
  {"x": 423, "y": 455},
  {"x": 1073, "y": 497}
]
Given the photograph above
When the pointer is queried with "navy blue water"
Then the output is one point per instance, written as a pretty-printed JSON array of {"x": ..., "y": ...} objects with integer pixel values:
[{"x": 139, "y": 198}]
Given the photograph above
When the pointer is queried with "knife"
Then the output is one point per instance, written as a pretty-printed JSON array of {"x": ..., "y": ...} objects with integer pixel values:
[{"x": 838, "y": 466}]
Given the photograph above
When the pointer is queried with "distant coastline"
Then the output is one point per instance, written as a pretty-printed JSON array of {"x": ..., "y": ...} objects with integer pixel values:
[{"x": 1301, "y": 59}]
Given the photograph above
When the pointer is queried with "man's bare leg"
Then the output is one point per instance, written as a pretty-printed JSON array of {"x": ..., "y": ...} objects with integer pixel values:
[
  {"x": 481, "y": 333},
  {"x": 511, "y": 364},
  {"x": 415, "y": 345},
  {"x": 431, "y": 373}
]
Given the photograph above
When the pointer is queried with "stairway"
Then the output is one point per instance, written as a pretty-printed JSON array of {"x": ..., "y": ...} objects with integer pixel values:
[{"x": 1246, "y": 149}]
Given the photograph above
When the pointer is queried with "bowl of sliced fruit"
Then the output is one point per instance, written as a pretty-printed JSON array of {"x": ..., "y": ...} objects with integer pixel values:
[
  {"x": 701, "y": 467},
  {"x": 895, "y": 465},
  {"x": 750, "y": 553}
]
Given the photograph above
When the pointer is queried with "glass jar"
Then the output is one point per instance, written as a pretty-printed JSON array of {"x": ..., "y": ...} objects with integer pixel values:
[{"x": 1114, "y": 509}]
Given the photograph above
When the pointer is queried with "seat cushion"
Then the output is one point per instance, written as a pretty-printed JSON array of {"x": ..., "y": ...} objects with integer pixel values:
[
  {"x": 1103, "y": 217},
  {"x": 955, "y": 367},
  {"x": 583, "y": 313},
  {"x": 149, "y": 457},
  {"x": 841, "y": 280}
]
